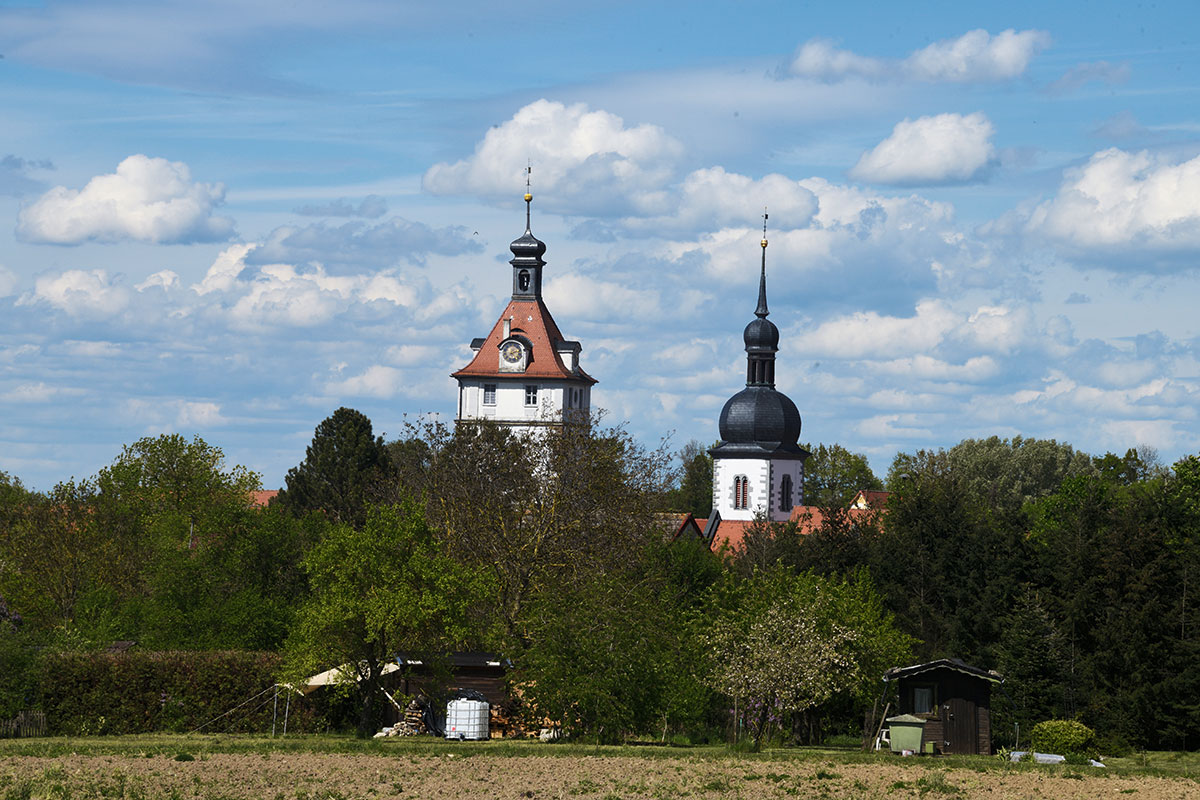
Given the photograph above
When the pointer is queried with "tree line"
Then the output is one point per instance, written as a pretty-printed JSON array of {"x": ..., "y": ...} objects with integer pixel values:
[{"x": 1069, "y": 574}]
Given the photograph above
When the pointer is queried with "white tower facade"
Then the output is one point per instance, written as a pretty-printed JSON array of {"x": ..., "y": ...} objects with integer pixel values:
[{"x": 525, "y": 373}]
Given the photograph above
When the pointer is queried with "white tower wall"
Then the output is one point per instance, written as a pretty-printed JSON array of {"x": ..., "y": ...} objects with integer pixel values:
[{"x": 764, "y": 487}]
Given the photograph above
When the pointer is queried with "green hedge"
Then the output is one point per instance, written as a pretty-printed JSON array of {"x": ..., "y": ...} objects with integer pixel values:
[{"x": 87, "y": 693}]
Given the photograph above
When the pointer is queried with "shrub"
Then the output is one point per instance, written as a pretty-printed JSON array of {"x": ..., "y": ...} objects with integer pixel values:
[{"x": 1062, "y": 736}]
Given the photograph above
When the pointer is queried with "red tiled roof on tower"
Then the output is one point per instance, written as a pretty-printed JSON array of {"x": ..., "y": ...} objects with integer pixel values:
[{"x": 530, "y": 319}]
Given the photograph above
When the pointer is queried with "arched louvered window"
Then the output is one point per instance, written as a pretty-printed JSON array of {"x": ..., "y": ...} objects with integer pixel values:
[
  {"x": 741, "y": 492},
  {"x": 785, "y": 493}
]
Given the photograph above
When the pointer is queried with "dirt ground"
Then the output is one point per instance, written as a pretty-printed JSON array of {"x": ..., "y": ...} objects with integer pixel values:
[{"x": 316, "y": 776}]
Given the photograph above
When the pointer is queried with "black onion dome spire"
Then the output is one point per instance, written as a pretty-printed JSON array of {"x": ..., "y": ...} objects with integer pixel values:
[
  {"x": 527, "y": 260},
  {"x": 759, "y": 420},
  {"x": 761, "y": 336},
  {"x": 528, "y": 247}
]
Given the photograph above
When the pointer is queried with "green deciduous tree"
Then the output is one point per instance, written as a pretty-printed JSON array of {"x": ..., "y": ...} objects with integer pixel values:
[
  {"x": 543, "y": 510},
  {"x": 377, "y": 591},
  {"x": 54, "y": 553},
  {"x": 784, "y": 643},
  {"x": 237, "y": 591},
  {"x": 162, "y": 494},
  {"x": 616, "y": 653},
  {"x": 694, "y": 493},
  {"x": 1000, "y": 474},
  {"x": 833, "y": 475},
  {"x": 1138, "y": 464},
  {"x": 161, "y": 507}
]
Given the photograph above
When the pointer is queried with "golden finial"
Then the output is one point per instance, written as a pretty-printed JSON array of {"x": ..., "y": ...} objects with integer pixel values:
[{"x": 764, "y": 239}]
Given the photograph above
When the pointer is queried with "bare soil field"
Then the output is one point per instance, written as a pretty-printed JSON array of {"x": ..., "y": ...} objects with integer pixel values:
[{"x": 479, "y": 774}]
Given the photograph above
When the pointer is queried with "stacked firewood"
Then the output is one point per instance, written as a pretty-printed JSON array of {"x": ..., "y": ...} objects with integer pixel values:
[{"x": 413, "y": 722}]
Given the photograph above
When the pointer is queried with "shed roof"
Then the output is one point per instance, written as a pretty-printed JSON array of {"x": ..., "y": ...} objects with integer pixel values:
[{"x": 953, "y": 664}]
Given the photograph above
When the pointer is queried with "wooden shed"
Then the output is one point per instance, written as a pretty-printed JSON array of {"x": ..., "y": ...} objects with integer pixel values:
[
  {"x": 481, "y": 672},
  {"x": 955, "y": 701}
]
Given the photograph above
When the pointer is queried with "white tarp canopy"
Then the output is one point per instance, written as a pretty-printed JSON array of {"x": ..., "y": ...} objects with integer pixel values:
[{"x": 343, "y": 674}]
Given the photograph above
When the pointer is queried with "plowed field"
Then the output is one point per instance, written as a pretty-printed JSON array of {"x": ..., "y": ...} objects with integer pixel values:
[{"x": 475, "y": 774}]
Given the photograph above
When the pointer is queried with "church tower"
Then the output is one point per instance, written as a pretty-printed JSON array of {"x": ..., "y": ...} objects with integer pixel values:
[
  {"x": 758, "y": 468},
  {"x": 524, "y": 372}
]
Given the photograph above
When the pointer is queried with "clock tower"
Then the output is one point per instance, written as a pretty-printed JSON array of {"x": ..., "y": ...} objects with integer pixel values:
[{"x": 524, "y": 373}]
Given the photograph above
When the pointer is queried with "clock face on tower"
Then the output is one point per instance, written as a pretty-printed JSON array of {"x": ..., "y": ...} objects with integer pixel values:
[{"x": 511, "y": 353}]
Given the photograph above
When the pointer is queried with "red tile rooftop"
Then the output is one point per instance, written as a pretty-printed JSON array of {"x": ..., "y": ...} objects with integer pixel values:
[{"x": 531, "y": 319}]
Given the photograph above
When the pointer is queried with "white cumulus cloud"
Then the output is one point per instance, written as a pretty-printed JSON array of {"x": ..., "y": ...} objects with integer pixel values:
[
  {"x": 976, "y": 56},
  {"x": 163, "y": 279},
  {"x": 866, "y": 334},
  {"x": 1125, "y": 201},
  {"x": 946, "y": 148},
  {"x": 198, "y": 414},
  {"x": 821, "y": 59},
  {"x": 583, "y": 297},
  {"x": 80, "y": 293},
  {"x": 376, "y": 381},
  {"x": 146, "y": 199},
  {"x": 714, "y": 198},
  {"x": 583, "y": 160},
  {"x": 284, "y": 294}
]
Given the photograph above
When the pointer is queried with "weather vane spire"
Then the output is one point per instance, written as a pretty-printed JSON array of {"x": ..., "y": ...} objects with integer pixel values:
[
  {"x": 528, "y": 194},
  {"x": 761, "y": 311}
]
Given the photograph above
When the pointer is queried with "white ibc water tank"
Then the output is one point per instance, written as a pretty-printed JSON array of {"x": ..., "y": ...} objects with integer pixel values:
[{"x": 467, "y": 719}]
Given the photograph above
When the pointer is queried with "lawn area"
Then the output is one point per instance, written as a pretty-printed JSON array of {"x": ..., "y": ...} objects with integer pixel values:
[{"x": 228, "y": 767}]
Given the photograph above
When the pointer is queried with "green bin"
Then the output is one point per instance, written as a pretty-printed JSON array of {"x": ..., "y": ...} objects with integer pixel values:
[{"x": 906, "y": 733}]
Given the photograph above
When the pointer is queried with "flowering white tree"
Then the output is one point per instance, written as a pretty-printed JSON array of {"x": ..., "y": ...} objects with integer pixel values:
[{"x": 786, "y": 643}]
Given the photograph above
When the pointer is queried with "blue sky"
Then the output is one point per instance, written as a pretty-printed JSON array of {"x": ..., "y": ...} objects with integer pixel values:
[{"x": 229, "y": 219}]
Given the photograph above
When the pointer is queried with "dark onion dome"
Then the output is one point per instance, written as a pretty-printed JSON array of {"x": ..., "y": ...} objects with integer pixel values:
[
  {"x": 528, "y": 247},
  {"x": 758, "y": 421},
  {"x": 761, "y": 334}
]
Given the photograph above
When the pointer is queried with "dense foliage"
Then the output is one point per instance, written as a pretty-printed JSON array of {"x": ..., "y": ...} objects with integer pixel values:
[
  {"x": 1073, "y": 576},
  {"x": 137, "y": 692},
  {"x": 384, "y": 589},
  {"x": 783, "y": 644}
]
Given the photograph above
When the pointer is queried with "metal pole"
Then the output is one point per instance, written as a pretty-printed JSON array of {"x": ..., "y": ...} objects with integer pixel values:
[
  {"x": 286, "y": 708},
  {"x": 275, "y": 711}
]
